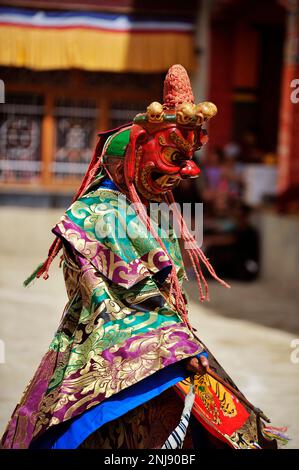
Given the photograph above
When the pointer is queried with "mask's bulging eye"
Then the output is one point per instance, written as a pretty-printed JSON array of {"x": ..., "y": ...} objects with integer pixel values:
[{"x": 172, "y": 155}]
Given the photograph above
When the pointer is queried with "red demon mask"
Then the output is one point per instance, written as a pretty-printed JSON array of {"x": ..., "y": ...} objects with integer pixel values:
[
  {"x": 163, "y": 158},
  {"x": 163, "y": 140}
]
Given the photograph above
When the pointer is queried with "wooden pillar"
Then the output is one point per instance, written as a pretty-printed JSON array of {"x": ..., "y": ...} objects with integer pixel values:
[
  {"x": 103, "y": 121},
  {"x": 47, "y": 140},
  {"x": 288, "y": 147},
  {"x": 200, "y": 78},
  {"x": 220, "y": 82}
]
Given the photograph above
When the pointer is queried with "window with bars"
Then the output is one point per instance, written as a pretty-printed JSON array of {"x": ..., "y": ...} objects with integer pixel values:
[
  {"x": 49, "y": 121},
  {"x": 122, "y": 113},
  {"x": 75, "y": 126},
  {"x": 20, "y": 138}
]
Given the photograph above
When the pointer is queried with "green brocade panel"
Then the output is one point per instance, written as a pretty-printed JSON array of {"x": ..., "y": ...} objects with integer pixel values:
[{"x": 109, "y": 218}]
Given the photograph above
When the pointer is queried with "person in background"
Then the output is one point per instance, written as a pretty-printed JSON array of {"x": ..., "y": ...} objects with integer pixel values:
[
  {"x": 250, "y": 151},
  {"x": 235, "y": 252}
]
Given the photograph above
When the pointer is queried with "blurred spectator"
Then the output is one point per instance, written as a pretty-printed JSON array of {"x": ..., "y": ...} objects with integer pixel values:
[
  {"x": 250, "y": 152},
  {"x": 234, "y": 252},
  {"x": 232, "y": 150},
  {"x": 230, "y": 241},
  {"x": 222, "y": 178},
  {"x": 212, "y": 172}
]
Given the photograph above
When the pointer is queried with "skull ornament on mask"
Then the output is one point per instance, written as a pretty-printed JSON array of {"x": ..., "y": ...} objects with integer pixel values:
[{"x": 155, "y": 112}]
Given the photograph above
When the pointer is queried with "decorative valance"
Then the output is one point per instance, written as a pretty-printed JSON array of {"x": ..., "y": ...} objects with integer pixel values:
[{"x": 48, "y": 40}]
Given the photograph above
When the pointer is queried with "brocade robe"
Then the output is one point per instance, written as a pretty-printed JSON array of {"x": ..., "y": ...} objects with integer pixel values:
[{"x": 119, "y": 332}]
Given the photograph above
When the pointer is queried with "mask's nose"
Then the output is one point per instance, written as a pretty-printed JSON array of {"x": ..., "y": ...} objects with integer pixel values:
[{"x": 189, "y": 170}]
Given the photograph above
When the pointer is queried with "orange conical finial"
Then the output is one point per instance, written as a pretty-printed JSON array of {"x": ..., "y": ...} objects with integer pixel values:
[{"x": 177, "y": 87}]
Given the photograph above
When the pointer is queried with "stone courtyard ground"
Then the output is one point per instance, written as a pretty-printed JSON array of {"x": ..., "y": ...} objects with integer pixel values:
[{"x": 249, "y": 329}]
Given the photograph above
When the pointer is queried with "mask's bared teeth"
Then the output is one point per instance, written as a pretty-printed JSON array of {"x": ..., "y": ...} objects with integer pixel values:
[{"x": 166, "y": 181}]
